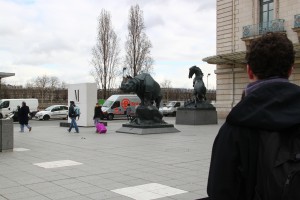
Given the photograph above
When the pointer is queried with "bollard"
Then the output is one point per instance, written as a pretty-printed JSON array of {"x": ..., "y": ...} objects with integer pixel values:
[{"x": 6, "y": 135}]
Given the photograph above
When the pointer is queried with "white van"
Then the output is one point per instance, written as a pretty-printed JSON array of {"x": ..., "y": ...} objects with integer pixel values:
[
  {"x": 171, "y": 108},
  {"x": 117, "y": 104},
  {"x": 9, "y": 105}
]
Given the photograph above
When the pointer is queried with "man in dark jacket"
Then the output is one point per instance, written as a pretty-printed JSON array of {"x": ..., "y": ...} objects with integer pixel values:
[
  {"x": 72, "y": 115},
  {"x": 23, "y": 117},
  {"x": 270, "y": 104}
]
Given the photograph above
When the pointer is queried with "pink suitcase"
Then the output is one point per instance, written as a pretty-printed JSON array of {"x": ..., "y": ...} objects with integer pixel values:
[{"x": 101, "y": 128}]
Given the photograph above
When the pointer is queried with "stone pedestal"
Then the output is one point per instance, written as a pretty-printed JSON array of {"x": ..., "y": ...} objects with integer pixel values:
[
  {"x": 148, "y": 121},
  {"x": 6, "y": 135},
  {"x": 147, "y": 129},
  {"x": 196, "y": 116}
]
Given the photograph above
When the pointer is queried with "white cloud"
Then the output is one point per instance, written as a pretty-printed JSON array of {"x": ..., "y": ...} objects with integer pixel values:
[{"x": 55, "y": 37}]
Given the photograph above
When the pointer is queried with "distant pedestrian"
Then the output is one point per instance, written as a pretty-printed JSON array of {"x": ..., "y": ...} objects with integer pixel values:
[
  {"x": 72, "y": 115},
  {"x": 23, "y": 117},
  {"x": 128, "y": 112},
  {"x": 98, "y": 114}
]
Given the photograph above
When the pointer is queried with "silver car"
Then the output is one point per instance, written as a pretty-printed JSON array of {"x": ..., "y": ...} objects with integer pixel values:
[{"x": 53, "y": 112}]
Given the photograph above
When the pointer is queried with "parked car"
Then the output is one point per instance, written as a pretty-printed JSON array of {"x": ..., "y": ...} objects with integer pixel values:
[
  {"x": 53, "y": 112},
  {"x": 171, "y": 108}
]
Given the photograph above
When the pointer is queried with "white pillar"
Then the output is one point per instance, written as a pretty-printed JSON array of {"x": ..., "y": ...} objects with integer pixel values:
[{"x": 85, "y": 97}]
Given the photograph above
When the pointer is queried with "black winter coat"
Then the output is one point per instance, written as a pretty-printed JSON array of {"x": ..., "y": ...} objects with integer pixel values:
[
  {"x": 98, "y": 112},
  {"x": 72, "y": 113},
  {"x": 273, "y": 107},
  {"x": 23, "y": 114}
]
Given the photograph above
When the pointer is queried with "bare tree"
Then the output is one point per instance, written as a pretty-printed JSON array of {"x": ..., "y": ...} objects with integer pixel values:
[
  {"x": 138, "y": 56},
  {"x": 53, "y": 83},
  {"x": 2, "y": 84},
  {"x": 63, "y": 85},
  {"x": 42, "y": 83},
  {"x": 105, "y": 54},
  {"x": 29, "y": 85},
  {"x": 166, "y": 84}
]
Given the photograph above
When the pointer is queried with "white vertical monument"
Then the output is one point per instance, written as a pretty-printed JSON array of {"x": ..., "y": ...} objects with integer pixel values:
[{"x": 85, "y": 97}]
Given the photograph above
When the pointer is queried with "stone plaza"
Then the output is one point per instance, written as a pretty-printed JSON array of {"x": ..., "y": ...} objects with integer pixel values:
[{"x": 50, "y": 163}]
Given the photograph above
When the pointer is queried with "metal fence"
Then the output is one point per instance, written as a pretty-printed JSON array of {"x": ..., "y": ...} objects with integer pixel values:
[
  {"x": 276, "y": 25},
  {"x": 297, "y": 21},
  {"x": 49, "y": 97}
]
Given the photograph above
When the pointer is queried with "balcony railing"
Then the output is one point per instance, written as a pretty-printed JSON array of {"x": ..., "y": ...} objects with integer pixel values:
[
  {"x": 276, "y": 25},
  {"x": 297, "y": 21}
]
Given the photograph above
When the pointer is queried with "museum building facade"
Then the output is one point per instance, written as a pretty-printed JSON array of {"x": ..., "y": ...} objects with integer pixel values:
[{"x": 238, "y": 23}]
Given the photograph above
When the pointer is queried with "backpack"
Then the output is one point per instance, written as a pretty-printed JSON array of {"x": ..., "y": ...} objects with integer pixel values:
[
  {"x": 278, "y": 169},
  {"x": 77, "y": 111},
  {"x": 101, "y": 128}
]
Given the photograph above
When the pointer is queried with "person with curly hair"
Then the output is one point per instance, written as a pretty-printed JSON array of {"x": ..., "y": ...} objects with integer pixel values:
[{"x": 270, "y": 105}]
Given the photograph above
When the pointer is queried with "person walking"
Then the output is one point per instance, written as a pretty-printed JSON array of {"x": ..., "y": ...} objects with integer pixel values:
[
  {"x": 269, "y": 109},
  {"x": 98, "y": 114},
  {"x": 128, "y": 112},
  {"x": 72, "y": 116},
  {"x": 23, "y": 117}
]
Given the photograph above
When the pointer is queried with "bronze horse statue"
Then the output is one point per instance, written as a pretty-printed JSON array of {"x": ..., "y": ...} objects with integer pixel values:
[{"x": 198, "y": 84}]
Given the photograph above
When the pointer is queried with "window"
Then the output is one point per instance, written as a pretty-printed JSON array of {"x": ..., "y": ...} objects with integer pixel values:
[
  {"x": 55, "y": 109},
  {"x": 4, "y": 104},
  {"x": 64, "y": 108},
  {"x": 266, "y": 11},
  {"x": 107, "y": 104},
  {"x": 266, "y": 15},
  {"x": 116, "y": 104}
]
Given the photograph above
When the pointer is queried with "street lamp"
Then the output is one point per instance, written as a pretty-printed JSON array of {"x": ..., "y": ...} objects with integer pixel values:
[
  {"x": 207, "y": 80},
  {"x": 124, "y": 71}
]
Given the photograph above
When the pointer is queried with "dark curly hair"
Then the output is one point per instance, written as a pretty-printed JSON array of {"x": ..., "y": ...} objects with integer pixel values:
[{"x": 271, "y": 55}]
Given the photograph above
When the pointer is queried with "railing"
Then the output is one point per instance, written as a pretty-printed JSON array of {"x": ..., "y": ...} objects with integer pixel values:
[
  {"x": 297, "y": 21},
  {"x": 276, "y": 25}
]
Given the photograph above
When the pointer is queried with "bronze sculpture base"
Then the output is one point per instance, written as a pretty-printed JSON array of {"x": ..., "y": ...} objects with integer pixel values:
[
  {"x": 147, "y": 129},
  {"x": 197, "y": 116}
]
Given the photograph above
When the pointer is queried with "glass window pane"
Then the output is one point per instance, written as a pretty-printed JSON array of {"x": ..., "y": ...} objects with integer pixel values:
[
  {"x": 265, "y": 7},
  {"x": 271, "y": 6},
  {"x": 266, "y": 10},
  {"x": 265, "y": 17},
  {"x": 271, "y": 15}
]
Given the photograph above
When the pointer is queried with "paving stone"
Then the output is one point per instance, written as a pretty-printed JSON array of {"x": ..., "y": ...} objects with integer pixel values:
[{"x": 108, "y": 162}]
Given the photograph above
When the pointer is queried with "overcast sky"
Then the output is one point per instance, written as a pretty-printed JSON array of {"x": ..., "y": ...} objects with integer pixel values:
[{"x": 55, "y": 37}]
